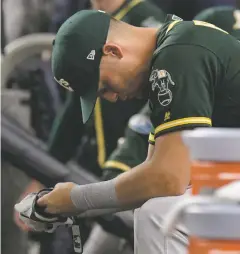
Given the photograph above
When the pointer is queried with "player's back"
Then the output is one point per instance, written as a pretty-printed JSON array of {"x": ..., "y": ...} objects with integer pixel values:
[{"x": 221, "y": 62}]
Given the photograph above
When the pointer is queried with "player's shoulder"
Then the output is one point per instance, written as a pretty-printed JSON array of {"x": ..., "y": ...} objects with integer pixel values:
[
  {"x": 173, "y": 31},
  {"x": 166, "y": 40},
  {"x": 186, "y": 35}
]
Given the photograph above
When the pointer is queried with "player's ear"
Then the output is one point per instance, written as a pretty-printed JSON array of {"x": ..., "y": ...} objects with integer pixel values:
[{"x": 112, "y": 49}]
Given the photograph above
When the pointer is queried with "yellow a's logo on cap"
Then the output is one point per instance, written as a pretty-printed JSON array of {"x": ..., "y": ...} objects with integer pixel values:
[{"x": 64, "y": 83}]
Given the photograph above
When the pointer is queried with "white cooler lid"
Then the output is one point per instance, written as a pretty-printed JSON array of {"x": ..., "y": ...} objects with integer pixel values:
[
  {"x": 213, "y": 144},
  {"x": 217, "y": 221}
]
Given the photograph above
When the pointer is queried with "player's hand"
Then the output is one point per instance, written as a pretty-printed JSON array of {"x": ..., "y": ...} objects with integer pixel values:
[{"x": 58, "y": 201}]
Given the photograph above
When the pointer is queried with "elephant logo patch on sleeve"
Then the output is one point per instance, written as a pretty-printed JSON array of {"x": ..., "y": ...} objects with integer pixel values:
[{"x": 162, "y": 82}]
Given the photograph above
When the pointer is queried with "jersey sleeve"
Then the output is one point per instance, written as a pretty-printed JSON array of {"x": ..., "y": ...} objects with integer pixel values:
[{"x": 182, "y": 88}]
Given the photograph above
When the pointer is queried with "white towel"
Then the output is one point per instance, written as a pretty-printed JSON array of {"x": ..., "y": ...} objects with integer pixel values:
[{"x": 37, "y": 221}]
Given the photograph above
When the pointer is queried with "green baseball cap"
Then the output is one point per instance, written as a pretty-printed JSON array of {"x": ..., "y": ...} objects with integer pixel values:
[{"x": 76, "y": 55}]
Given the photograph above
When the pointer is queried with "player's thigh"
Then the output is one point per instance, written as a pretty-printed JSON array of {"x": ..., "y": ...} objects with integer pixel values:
[{"x": 148, "y": 227}]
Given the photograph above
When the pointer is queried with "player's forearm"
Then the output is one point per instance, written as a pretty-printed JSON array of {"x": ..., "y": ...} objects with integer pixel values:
[
  {"x": 144, "y": 182},
  {"x": 127, "y": 190}
]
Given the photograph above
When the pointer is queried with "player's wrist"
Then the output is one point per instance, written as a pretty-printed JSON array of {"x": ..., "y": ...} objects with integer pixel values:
[{"x": 95, "y": 196}]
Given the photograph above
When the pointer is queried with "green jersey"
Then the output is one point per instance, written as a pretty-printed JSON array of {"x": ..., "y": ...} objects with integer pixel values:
[
  {"x": 133, "y": 151},
  {"x": 99, "y": 137},
  {"x": 195, "y": 78},
  {"x": 228, "y": 18}
]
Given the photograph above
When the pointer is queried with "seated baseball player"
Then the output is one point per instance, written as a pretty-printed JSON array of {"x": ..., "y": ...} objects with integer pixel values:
[
  {"x": 134, "y": 147},
  {"x": 96, "y": 141},
  {"x": 182, "y": 74}
]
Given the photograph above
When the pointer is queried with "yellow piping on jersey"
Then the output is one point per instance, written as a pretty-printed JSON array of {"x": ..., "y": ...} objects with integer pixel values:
[
  {"x": 183, "y": 121},
  {"x": 99, "y": 133},
  {"x": 151, "y": 137},
  {"x": 117, "y": 164},
  {"x": 172, "y": 25},
  {"x": 125, "y": 10},
  {"x": 206, "y": 24},
  {"x": 97, "y": 111}
]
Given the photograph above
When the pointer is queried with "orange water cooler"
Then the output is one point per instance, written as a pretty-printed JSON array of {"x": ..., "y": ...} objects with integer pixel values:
[{"x": 213, "y": 228}]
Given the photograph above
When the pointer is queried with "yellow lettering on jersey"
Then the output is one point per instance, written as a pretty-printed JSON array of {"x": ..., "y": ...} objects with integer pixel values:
[
  {"x": 167, "y": 116},
  {"x": 202, "y": 23}
]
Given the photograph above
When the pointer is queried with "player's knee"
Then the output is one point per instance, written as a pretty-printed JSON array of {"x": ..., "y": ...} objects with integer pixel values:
[
  {"x": 148, "y": 225},
  {"x": 155, "y": 210},
  {"x": 150, "y": 213}
]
